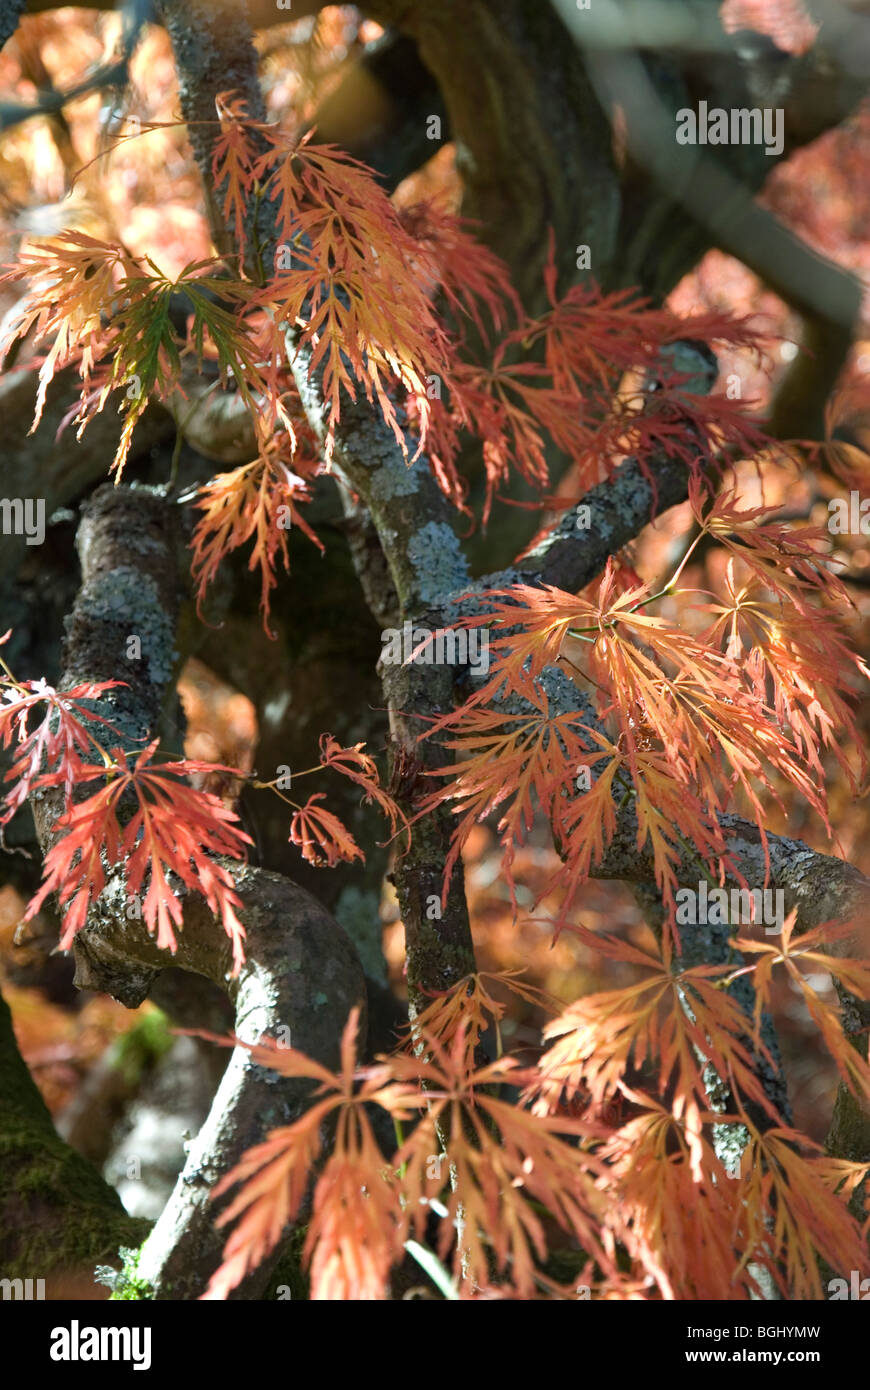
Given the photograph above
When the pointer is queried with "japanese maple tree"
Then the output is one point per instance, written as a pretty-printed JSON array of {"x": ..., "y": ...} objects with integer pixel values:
[{"x": 343, "y": 400}]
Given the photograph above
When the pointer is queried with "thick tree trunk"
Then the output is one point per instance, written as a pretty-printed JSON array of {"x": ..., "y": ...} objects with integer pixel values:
[{"x": 58, "y": 1218}]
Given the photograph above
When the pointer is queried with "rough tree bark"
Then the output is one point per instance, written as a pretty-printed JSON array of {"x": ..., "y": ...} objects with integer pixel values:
[{"x": 300, "y": 972}]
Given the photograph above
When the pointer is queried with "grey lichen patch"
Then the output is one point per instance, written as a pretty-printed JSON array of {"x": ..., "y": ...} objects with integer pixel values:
[
  {"x": 628, "y": 496},
  {"x": 358, "y": 912},
  {"x": 373, "y": 445},
  {"x": 131, "y": 599},
  {"x": 729, "y": 1142},
  {"x": 264, "y": 1076},
  {"x": 140, "y": 543},
  {"x": 394, "y": 478},
  {"x": 470, "y": 600},
  {"x": 437, "y": 559},
  {"x": 564, "y": 696}
]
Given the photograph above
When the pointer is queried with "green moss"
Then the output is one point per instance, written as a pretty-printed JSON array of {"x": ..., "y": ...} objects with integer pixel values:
[
  {"x": 126, "y": 1284},
  {"x": 137, "y": 1051},
  {"x": 56, "y": 1212}
]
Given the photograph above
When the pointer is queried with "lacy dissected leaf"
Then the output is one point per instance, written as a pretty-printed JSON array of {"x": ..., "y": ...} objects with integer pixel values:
[
  {"x": 526, "y": 760},
  {"x": 72, "y": 281},
  {"x": 791, "y": 1208},
  {"x": 146, "y": 358},
  {"x": 344, "y": 284},
  {"x": 471, "y": 1007},
  {"x": 358, "y": 1225},
  {"x": 233, "y": 157},
  {"x": 668, "y": 814},
  {"x": 258, "y": 501},
  {"x": 711, "y": 731},
  {"x": 584, "y": 822},
  {"x": 601, "y": 1035},
  {"x": 58, "y": 744},
  {"x": 221, "y": 329},
  {"x": 800, "y": 651},
  {"x": 476, "y": 284},
  {"x": 788, "y": 561},
  {"x": 503, "y": 1161},
  {"x": 558, "y": 377},
  {"x": 361, "y": 768},
  {"x": 809, "y": 951},
  {"x": 527, "y": 627},
  {"x": 174, "y": 829},
  {"x": 110, "y": 313},
  {"x": 352, "y": 1235},
  {"x": 349, "y": 279},
  {"x": 592, "y": 337},
  {"x": 701, "y": 432},
  {"x": 321, "y": 836},
  {"x": 275, "y": 1177},
  {"x": 98, "y": 302},
  {"x": 513, "y": 409},
  {"x": 676, "y": 1202},
  {"x": 689, "y": 730}
]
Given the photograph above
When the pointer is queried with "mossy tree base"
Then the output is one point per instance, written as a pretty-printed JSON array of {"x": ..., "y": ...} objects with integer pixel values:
[{"x": 58, "y": 1218}]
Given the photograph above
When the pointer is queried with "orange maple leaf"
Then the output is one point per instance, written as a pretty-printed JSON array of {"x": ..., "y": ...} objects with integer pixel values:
[
  {"x": 361, "y": 768},
  {"x": 258, "y": 500},
  {"x": 321, "y": 836},
  {"x": 599, "y": 1036}
]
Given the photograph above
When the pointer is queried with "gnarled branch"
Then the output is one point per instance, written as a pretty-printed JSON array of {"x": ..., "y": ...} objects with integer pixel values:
[{"x": 300, "y": 973}]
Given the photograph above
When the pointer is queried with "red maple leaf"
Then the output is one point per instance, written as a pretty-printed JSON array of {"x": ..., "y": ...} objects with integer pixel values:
[
  {"x": 58, "y": 742},
  {"x": 174, "y": 829},
  {"x": 319, "y": 833}
]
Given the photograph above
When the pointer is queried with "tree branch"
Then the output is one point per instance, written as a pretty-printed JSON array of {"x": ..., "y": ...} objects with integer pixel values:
[
  {"x": 380, "y": 111},
  {"x": 53, "y": 469},
  {"x": 301, "y": 972},
  {"x": 408, "y": 510}
]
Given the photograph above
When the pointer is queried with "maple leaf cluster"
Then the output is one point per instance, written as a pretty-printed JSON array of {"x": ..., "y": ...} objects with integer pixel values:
[
  {"x": 403, "y": 305},
  {"x": 487, "y": 1179},
  {"x": 260, "y": 501},
  {"x": 142, "y": 817},
  {"x": 590, "y": 375},
  {"x": 321, "y": 837},
  {"x": 684, "y": 723},
  {"x": 615, "y": 1140}
]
